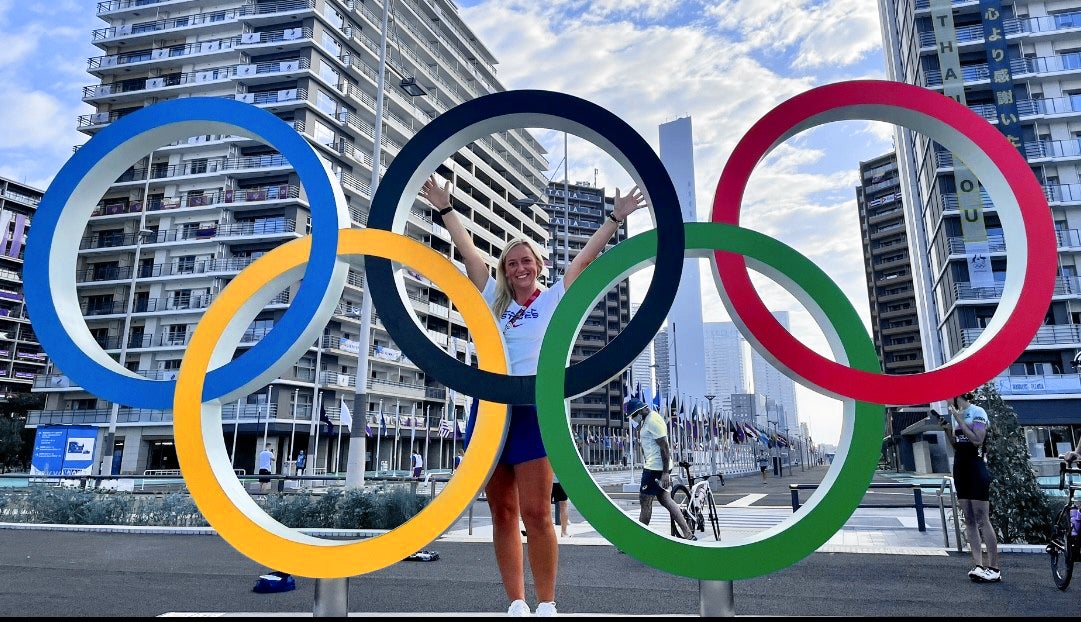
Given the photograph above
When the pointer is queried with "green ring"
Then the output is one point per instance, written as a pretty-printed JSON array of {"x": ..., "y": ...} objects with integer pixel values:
[{"x": 844, "y": 485}]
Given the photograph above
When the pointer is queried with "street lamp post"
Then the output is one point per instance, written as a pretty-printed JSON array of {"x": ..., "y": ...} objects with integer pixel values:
[{"x": 713, "y": 440}]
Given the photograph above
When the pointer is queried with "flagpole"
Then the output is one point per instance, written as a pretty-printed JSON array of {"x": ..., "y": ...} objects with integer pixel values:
[
  {"x": 293, "y": 431},
  {"x": 236, "y": 424},
  {"x": 442, "y": 417},
  {"x": 379, "y": 436},
  {"x": 266, "y": 425},
  {"x": 427, "y": 433},
  {"x": 338, "y": 446},
  {"x": 395, "y": 451}
]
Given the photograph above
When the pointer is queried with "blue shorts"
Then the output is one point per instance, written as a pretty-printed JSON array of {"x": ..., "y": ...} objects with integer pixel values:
[
  {"x": 523, "y": 436},
  {"x": 651, "y": 483}
]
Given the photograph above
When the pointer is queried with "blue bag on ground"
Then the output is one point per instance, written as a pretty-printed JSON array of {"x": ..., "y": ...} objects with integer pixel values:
[{"x": 274, "y": 582}]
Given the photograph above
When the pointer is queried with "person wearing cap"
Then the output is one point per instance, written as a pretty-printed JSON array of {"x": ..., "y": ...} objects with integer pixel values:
[{"x": 656, "y": 481}]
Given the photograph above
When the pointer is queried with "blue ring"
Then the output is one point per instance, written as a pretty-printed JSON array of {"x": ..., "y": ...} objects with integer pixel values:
[
  {"x": 223, "y": 114},
  {"x": 523, "y": 109}
]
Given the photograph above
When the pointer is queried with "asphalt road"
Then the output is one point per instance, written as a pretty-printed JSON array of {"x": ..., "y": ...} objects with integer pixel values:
[{"x": 53, "y": 573}]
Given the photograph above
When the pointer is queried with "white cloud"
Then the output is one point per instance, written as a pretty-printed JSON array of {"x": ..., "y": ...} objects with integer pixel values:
[
  {"x": 821, "y": 33},
  {"x": 648, "y": 65}
]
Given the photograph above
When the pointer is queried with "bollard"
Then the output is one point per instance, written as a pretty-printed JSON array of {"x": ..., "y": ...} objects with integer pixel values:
[
  {"x": 716, "y": 599},
  {"x": 795, "y": 496},
  {"x": 331, "y": 598},
  {"x": 917, "y": 493}
]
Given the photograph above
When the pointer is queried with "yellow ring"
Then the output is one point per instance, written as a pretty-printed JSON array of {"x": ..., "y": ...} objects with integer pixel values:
[{"x": 205, "y": 462}]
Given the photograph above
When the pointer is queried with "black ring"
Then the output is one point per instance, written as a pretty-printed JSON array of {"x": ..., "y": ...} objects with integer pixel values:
[{"x": 500, "y": 112}]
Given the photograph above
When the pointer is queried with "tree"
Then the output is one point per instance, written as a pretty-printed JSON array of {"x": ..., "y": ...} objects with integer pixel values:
[
  {"x": 11, "y": 441},
  {"x": 1020, "y": 512}
]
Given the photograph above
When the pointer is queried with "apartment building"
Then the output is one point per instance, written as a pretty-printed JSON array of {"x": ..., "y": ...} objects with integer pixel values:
[
  {"x": 21, "y": 356},
  {"x": 575, "y": 213},
  {"x": 183, "y": 221},
  {"x": 1018, "y": 64}
]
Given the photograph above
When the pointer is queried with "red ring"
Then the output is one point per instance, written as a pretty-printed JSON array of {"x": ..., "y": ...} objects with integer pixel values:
[{"x": 887, "y": 101}]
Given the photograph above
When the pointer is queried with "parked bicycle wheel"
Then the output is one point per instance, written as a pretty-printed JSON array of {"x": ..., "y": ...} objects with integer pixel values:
[
  {"x": 1062, "y": 550},
  {"x": 711, "y": 515},
  {"x": 682, "y": 496}
]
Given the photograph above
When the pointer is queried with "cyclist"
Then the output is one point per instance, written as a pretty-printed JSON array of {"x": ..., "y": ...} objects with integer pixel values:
[
  {"x": 656, "y": 454},
  {"x": 973, "y": 483}
]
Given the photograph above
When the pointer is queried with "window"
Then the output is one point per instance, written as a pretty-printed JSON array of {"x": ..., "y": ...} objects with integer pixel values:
[
  {"x": 333, "y": 16},
  {"x": 324, "y": 135},
  {"x": 176, "y": 334},
  {"x": 181, "y": 299},
  {"x": 329, "y": 73},
  {"x": 326, "y": 103},
  {"x": 185, "y": 264},
  {"x": 331, "y": 44}
]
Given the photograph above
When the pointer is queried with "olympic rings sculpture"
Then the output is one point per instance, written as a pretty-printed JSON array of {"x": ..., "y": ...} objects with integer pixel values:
[{"x": 207, "y": 377}]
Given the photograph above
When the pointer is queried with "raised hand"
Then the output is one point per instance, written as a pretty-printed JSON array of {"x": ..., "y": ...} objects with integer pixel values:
[
  {"x": 625, "y": 206},
  {"x": 438, "y": 197}
]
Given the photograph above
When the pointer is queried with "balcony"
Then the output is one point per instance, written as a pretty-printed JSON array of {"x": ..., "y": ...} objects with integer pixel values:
[
  {"x": 1064, "y": 335},
  {"x": 1038, "y": 384},
  {"x": 160, "y": 28},
  {"x": 276, "y": 227},
  {"x": 114, "y": 62},
  {"x": 273, "y": 11},
  {"x": 98, "y": 416},
  {"x": 1068, "y": 286},
  {"x": 286, "y": 38},
  {"x": 224, "y": 266},
  {"x": 235, "y": 166},
  {"x": 209, "y": 199},
  {"x": 134, "y": 6}
]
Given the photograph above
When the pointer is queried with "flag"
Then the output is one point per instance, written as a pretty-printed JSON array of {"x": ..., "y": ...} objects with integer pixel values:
[
  {"x": 346, "y": 417},
  {"x": 325, "y": 419},
  {"x": 413, "y": 427},
  {"x": 445, "y": 428},
  {"x": 656, "y": 398},
  {"x": 452, "y": 349},
  {"x": 382, "y": 420},
  {"x": 638, "y": 390},
  {"x": 626, "y": 393}
]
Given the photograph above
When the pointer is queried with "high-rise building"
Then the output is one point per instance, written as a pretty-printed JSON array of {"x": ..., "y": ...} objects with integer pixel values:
[
  {"x": 180, "y": 223},
  {"x": 21, "y": 357},
  {"x": 775, "y": 386},
  {"x": 642, "y": 368},
  {"x": 661, "y": 359},
  {"x": 1016, "y": 64},
  {"x": 728, "y": 363},
  {"x": 895, "y": 324},
  {"x": 575, "y": 212}
]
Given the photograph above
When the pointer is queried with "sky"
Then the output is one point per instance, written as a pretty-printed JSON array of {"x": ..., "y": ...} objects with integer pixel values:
[{"x": 724, "y": 63}]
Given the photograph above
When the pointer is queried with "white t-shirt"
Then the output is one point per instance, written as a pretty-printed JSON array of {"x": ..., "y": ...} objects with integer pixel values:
[
  {"x": 972, "y": 415},
  {"x": 653, "y": 428},
  {"x": 524, "y": 337},
  {"x": 417, "y": 461}
]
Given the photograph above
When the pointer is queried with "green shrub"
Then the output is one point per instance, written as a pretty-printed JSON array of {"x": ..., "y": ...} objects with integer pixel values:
[{"x": 336, "y": 509}]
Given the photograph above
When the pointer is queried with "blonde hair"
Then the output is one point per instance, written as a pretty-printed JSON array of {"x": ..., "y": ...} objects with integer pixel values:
[{"x": 503, "y": 294}]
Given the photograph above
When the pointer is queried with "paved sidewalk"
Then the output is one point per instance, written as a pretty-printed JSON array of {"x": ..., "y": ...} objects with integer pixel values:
[{"x": 747, "y": 505}]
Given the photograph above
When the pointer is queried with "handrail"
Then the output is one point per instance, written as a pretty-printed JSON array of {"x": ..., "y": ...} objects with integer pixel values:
[
  {"x": 948, "y": 481},
  {"x": 917, "y": 496}
]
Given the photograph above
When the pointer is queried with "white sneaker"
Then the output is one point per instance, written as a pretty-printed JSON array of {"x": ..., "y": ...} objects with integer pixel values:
[
  {"x": 976, "y": 573},
  {"x": 546, "y": 609},
  {"x": 519, "y": 609},
  {"x": 989, "y": 575}
]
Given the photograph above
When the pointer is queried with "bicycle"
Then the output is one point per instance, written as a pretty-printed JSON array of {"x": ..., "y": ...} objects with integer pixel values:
[
  {"x": 1065, "y": 543},
  {"x": 696, "y": 502}
]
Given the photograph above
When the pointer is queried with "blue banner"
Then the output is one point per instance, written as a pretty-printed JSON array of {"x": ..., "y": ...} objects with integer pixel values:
[
  {"x": 1001, "y": 75},
  {"x": 63, "y": 450}
]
